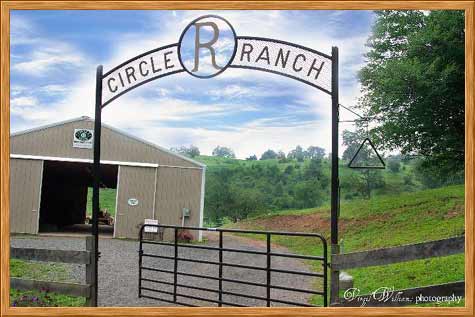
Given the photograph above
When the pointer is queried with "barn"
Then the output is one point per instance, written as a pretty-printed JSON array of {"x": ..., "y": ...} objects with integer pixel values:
[{"x": 51, "y": 178}]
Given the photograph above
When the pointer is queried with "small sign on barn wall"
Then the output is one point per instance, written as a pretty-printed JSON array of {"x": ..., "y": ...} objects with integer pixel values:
[
  {"x": 133, "y": 202},
  {"x": 82, "y": 138},
  {"x": 152, "y": 229}
]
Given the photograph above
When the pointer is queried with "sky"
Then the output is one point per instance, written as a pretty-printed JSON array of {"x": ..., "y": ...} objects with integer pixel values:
[{"x": 54, "y": 55}]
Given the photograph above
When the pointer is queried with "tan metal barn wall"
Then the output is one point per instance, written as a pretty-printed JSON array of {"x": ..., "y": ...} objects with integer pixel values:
[
  {"x": 178, "y": 185},
  {"x": 25, "y": 193},
  {"x": 139, "y": 183},
  {"x": 57, "y": 141},
  {"x": 178, "y": 188}
]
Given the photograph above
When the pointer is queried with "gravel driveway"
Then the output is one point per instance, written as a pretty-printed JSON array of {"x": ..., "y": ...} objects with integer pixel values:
[{"x": 118, "y": 270}]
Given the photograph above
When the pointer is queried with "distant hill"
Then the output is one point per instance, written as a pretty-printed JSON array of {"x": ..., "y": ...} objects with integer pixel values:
[{"x": 236, "y": 189}]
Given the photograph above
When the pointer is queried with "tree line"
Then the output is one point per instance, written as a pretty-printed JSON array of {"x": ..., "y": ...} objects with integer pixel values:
[
  {"x": 299, "y": 153},
  {"x": 238, "y": 189}
]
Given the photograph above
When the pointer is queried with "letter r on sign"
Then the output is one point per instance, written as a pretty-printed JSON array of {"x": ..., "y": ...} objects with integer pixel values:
[{"x": 208, "y": 45}]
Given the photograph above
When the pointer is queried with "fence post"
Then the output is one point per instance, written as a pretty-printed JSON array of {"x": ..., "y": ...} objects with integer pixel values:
[
  {"x": 325, "y": 273},
  {"x": 268, "y": 268},
  {"x": 220, "y": 282},
  {"x": 140, "y": 259},
  {"x": 90, "y": 270},
  {"x": 175, "y": 266}
]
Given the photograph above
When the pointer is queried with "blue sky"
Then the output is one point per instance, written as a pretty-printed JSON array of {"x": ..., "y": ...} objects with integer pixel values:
[{"x": 54, "y": 55}]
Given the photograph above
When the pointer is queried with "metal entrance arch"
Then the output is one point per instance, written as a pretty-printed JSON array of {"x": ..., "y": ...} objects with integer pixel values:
[{"x": 300, "y": 63}]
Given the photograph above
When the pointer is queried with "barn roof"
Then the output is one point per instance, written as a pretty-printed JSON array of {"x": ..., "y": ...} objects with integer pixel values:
[{"x": 121, "y": 132}]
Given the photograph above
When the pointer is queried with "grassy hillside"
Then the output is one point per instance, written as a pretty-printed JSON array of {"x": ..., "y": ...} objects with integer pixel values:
[
  {"x": 236, "y": 188},
  {"x": 381, "y": 222}
]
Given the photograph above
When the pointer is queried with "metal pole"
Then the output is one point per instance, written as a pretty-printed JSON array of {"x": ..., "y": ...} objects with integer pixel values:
[
  {"x": 335, "y": 179},
  {"x": 175, "y": 266},
  {"x": 140, "y": 260},
  {"x": 220, "y": 282},
  {"x": 97, "y": 173},
  {"x": 325, "y": 274},
  {"x": 268, "y": 268}
]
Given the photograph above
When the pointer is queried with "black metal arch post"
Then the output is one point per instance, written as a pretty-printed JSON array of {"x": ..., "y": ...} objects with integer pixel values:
[
  {"x": 334, "y": 289},
  {"x": 96, "y": 181}
]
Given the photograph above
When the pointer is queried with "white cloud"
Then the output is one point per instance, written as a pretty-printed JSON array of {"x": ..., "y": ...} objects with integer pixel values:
[
  {"x": 45, "y": 54},
  {"x": 16, "y": 90},
  {"x": 131, "y": 111},
  {"x": 54, "y": 89},
  {"x": 167, "y": 109},
  {"x": 253, "y": 138},
  {"x": 21, "y": 31},
  {"x": 48, "y": 58},
  {"x": 149, "y": 110},
  {"x": 23, "y": 102},
  {"x": 231, "y": 91}
]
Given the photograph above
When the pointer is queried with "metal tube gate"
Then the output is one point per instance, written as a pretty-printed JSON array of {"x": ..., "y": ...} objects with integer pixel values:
[{"x": 220, "y": 249}]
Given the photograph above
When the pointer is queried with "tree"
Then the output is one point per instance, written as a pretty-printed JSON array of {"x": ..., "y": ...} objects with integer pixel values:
[
  {"x": 282, "y": 157},
  {"x": 251, "y": 158},
  {"x": 372, "y": 179},
  {"x": 315, "y": 152},
  {"x": 352, "y": 141},
  {"x": 394, "y": 165},
  {"x": 368, "y": 179},
  {"x": 190, "y": 151},
  {"x": 432, "y": 177},
  {"x": 222, "y": 151},
  {"x": 314, "y": 171},
  {"x": 244, "y": 201},
  {"x": 289, "y": 170},
  {"x": 297, "y": 154},
  {"x": 268, "y": 155},
  {"x": 308, "y": 194},
  {"x": 413, "y": 85},
  {"x": 218, "y": 195}
]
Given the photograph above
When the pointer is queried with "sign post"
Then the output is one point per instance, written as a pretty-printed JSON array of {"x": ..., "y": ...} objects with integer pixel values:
[
  {"x": 335, "y": 182},
  {"x": 97, "y": 179}
]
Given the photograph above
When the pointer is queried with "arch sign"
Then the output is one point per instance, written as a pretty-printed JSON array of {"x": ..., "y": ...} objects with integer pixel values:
[{"x": 207, "y": 47}]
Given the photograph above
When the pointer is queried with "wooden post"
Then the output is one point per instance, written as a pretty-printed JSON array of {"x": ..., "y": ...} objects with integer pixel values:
[{"x": 90, "y": 273}]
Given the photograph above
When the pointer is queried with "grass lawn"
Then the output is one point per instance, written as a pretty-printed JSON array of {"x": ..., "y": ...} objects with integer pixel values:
[
  {"x": 381, "y": 222},
  {"x": 41, "y": 271},
  {"x": 106, "y": 198}
]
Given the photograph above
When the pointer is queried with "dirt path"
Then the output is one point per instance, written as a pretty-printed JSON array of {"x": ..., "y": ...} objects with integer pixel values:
[{"x": 118, "y": 271}]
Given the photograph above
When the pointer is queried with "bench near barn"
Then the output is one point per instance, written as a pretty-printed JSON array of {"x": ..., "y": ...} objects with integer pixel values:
[{"x": 85, "y": 257}]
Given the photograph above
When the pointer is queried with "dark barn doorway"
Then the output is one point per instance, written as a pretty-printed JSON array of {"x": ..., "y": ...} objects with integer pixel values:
[{"x": 64, "y": 195}]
